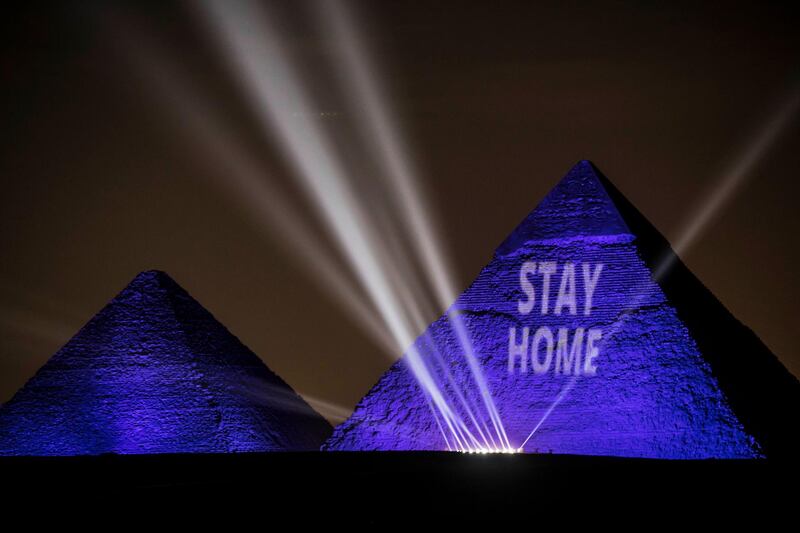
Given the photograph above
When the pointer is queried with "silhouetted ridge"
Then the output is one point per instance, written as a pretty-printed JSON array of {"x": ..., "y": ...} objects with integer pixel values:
[{"x": 763, "y": 393}]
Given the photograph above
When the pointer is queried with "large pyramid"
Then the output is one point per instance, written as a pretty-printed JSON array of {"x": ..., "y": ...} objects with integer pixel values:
[
  {"x": 154, "y": 372},
  {"x": 577, "y": 340}
]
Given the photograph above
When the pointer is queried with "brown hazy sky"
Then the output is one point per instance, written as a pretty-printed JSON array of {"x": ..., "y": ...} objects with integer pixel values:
[{"x": 497, "y": 99}]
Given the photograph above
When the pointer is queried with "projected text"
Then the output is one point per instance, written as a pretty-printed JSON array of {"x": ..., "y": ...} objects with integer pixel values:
[{"x": 550, "y": 288}]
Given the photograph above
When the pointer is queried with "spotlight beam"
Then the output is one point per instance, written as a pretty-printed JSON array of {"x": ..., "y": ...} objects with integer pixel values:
[
  {"x": 738, "y": 173},
  {"x": 244, "y": 179},
  {"x": 275, "y": 91},
  {"x": 380, "y": 133}
]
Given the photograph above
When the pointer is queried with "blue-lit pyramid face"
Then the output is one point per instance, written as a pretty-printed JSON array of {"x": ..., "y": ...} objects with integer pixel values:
[
  {"x": 154, "y": 372},
  {"x": 580, "y": 348}
]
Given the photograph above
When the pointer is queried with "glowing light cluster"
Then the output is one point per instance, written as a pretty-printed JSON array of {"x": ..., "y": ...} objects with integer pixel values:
[{"x": 485, "y": 451}]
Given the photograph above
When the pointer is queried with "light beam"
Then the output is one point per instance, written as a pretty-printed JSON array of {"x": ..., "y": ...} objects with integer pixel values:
[
  {"x": 380, "y": 134},
  {"x": 276, "y": 93}
]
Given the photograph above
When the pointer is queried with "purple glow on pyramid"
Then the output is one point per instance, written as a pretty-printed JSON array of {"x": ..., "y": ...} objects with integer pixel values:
[
  {"x": 670, "y": 367},
  {"x": 154, "y": 372}
]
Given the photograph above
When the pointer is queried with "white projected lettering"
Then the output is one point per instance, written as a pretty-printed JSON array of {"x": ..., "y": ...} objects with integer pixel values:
[{"x": 563, "y": 290}]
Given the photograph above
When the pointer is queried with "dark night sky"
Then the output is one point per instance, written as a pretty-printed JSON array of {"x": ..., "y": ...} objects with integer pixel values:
[{"x": 498, "y": 101}]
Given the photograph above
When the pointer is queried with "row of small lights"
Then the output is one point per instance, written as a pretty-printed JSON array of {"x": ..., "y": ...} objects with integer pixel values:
[{"x": 484, "y": 451}]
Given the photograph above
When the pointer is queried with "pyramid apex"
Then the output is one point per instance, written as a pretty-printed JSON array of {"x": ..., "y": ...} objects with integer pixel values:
[
  {"x": 152, "y": 272},
  {"x": 149, "y": 280},
  {"x": 578, "y": 206},
  {"x": 152, "y": 275},
  {"x": 584, "y": 163}
]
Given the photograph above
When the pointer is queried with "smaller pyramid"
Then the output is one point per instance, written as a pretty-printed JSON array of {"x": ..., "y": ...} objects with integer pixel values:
[{"x": 154, "y": 372}]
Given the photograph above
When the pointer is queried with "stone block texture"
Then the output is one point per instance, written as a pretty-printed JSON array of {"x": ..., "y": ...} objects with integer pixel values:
[
  {"x": 154, "y": 372},
  {"x": 672, "y": 379}
]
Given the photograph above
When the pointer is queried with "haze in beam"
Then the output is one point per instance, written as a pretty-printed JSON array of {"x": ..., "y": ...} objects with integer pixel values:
[
  {"x": 381, "y": 138},
  {"x": 282, "y": 103}
]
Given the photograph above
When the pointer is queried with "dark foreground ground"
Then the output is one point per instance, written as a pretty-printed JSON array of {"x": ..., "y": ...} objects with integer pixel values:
[{"x": 387, "y": 489}]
